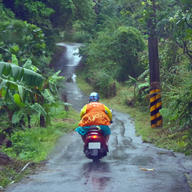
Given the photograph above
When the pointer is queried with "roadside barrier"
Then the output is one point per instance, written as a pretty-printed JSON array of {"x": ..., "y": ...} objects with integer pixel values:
[{"x": 155, "y": 106}]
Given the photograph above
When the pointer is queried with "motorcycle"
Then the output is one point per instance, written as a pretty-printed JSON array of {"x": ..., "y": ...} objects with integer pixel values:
[{"x": 95, "y": 144}]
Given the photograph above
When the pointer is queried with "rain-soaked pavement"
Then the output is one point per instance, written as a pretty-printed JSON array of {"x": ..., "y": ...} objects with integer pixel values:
[{"x": 131, "y": 165}]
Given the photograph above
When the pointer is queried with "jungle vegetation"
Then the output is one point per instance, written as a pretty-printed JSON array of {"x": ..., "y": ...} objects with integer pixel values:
[{"x": 114, "y": 34}]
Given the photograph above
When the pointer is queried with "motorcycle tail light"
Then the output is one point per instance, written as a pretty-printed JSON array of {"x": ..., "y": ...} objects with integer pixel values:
[{"x": 94, "y": 137}]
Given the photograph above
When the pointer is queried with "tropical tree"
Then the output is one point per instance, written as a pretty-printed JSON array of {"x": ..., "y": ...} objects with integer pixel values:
[
  {"x": 17, "y": 88},
  {"x": 182, "y": 26},
  {"x": 117, "y": 49},
  {"x": 24, "y": 92},
  {"x": 24, "y": 40}
]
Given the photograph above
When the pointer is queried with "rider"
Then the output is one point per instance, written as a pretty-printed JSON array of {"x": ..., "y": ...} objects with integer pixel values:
[{"x": 95, "y": 114}]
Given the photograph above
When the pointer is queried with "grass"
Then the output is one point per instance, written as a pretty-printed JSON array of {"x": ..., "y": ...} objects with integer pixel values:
[
  {"x": 83, "y": 85},
  {"x": 34, "y": 144},
  {"x": 161, "y": 137},
  {"x": 12, "y": 172}
]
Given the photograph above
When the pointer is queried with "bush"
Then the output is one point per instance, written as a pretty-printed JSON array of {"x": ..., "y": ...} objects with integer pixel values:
[
  {"x": 115, "y": 52},
  {"x": 177, "y": 112},
  {"x": 179, "y": 105},
  {"x": 103, "y": 83},
  {"x": 128, "y": 43},
  {"x": 36, "y": 143},
  {"x": 81, "y": 36},
  {"x": 23, "y": 40}
]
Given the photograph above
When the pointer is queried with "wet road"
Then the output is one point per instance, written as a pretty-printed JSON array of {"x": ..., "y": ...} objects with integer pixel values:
[{"x": 130, "y": 165}]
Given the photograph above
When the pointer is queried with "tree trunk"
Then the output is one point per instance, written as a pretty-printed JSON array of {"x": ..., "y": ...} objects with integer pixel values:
[
  {"x": 4, "y": 159},
  {"x": 42, "y": 121},
  {"x": 153, "y": 46},
  {"x": 9, "y": 112},
  {"x": 64, "y": 98},
  {"x": 29, "y": 121}
]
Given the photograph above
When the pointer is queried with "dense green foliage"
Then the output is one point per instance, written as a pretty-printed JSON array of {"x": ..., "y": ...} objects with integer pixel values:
[
  {"x": 115, "y": 49},
  {"x": 23, "y": 40},
  {"x": 25, "y": 90},
  {"x": 114, "y": 33},
  {"x": 57, "y": 17}
]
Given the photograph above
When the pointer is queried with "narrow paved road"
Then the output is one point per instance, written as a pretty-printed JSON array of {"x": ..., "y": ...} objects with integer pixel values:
[{"x": 131, "y": 165}]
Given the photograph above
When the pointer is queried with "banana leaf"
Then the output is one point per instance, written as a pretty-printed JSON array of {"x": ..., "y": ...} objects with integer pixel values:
[
  {"x": 11, "y": 85},
  {"x": 28, "y": 77},
  {"x": 39, "y": 109}
]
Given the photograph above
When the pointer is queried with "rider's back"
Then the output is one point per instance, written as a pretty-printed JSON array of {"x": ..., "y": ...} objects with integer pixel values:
[{"x": 95, "y": 114}]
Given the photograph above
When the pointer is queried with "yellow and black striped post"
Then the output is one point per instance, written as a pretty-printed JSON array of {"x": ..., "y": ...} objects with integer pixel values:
[{"x": 155, "y": 106}]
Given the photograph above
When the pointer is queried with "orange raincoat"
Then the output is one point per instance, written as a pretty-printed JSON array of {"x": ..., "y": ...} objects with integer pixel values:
[{"x": 95, "y": 113}]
